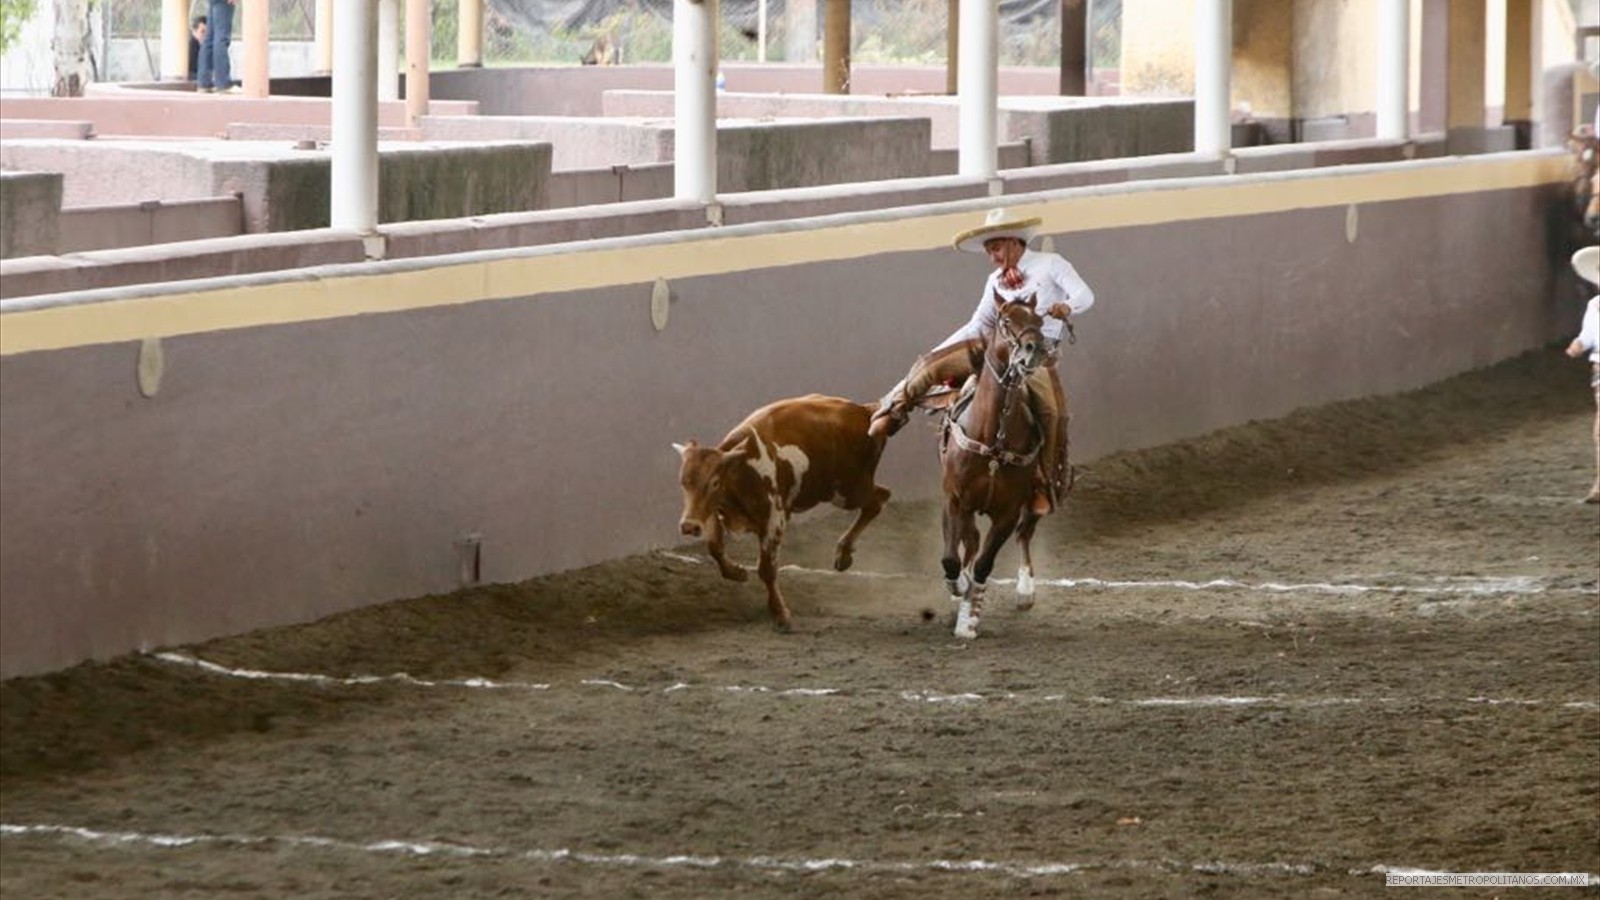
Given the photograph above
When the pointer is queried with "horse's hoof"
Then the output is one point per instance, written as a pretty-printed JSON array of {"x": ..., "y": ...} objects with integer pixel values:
[
  {"x": 1025, "y": 589},
  {"x": 736, "y": 573},
  {"x": 782, "y": 626},
  {"x": 966, "y": 622},
  {"x": 843, "y": 559}
]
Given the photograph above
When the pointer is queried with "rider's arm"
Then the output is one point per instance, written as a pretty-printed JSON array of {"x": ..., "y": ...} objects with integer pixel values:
[
  {"x": 1588, "y": 339},
  {"x": 1079, "y": 295},
  {"x": 982, "y": 321}
]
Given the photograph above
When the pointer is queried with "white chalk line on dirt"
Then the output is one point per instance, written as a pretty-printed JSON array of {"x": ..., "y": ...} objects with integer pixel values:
[
  {"x": 1279, "y": 701},
  {"x": 330, "y": 680},
  {"x": 770, "y": 864},
  {"x": 1491, "y": 586}
]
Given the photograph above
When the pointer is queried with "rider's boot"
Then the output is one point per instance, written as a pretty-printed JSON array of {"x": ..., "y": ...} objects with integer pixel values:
[
  {"x": 1043, "y": 502},
  {"x": 891, "y": 415},
  {"x": 885, "y": 422}
]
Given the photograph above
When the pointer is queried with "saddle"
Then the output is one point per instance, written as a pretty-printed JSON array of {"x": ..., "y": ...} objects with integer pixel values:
[{"x": 950, "y": 400}]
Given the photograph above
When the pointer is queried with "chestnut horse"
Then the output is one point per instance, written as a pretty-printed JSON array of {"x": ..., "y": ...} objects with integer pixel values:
[
  {"x": 1584, "y": 145},
  {"x": 988, "y": 454}
]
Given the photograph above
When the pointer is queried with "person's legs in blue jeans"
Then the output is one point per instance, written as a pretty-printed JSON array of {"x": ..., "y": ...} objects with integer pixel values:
[
  {"x": 202, "y": 70},
  {"x": 219, "y": 33}
]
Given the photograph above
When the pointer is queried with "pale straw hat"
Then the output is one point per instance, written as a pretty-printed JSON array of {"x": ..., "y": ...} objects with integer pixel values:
[
  {"x": 998, "y": 224},
  {"x": 1586, "y": 263}
]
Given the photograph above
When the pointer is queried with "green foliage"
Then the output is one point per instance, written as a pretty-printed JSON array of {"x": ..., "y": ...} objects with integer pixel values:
[{"x": 13, "y": 13}]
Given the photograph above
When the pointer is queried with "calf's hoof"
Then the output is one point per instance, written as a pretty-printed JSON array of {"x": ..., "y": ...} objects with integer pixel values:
[
  {"x": 782, "y": 626},
  {"x": 843, "y": 559},
  {"x": 736, "y": 573}
]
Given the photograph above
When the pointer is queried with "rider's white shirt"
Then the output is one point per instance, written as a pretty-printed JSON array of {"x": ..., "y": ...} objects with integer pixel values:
[
  {"x": 1589, "y": 331},
  {"x": 1049, "y": 276}
]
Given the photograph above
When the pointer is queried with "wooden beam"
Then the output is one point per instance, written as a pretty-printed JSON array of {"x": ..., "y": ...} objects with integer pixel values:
[
  {"x": 836, "y": 47},
  {"x": 1074, "y": 48}
]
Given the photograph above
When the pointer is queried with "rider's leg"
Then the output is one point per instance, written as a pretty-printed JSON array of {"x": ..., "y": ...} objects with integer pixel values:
[
  {"x": 934, "y": 367},
  {"x": 1049, "y": 406}
]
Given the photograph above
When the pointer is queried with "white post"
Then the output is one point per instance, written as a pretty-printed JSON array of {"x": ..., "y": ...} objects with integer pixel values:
[
  {"x": 388, "y": 49},
  {"x": 1394, "y": 69},
  {"x": 419, "y": 57},
  {"x": 174, "y": 40},
  {"x": 469, "y": 33},
  {"x": 1213, "y": 60},
  {"x": 324, "y": 36},
  {"x": 978, "y": 84},
  {"x": 257, "y": 22},
  {"x": 355, "y": 116},
  {"x": 761, "y": 31},
  {"x": 694, "y": 54}
]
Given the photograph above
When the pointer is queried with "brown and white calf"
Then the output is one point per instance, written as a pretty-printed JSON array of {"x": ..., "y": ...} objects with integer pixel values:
[{"x": 784, "y": 458}]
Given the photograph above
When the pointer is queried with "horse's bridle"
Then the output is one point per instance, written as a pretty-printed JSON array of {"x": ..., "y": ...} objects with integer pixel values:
[{"x": 1017, "y": 372}]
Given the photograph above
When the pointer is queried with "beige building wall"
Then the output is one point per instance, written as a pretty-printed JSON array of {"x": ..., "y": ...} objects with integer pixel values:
[
  {"x": 1335, "y": 57},
  {"x": 1263, "y": 53},
  {"x": 1158, "y": 48},
  {"x": 1312, "y": 59}
]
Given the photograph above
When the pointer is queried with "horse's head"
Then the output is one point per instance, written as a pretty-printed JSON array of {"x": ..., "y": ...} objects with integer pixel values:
[
  {"x": 1584, "y": 146},
  {"x": 1019, "y": 344}
]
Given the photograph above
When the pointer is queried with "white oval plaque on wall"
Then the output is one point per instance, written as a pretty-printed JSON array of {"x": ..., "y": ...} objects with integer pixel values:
[
  {"x": 152, "y": 365},
  {"x": 660, "y": 297}
]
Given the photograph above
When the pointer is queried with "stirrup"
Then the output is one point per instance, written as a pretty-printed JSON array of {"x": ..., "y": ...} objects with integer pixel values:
[{"x": 1041, "y": 503}]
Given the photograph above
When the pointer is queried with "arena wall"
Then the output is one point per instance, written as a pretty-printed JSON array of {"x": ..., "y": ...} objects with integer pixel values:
[
  {"x": 283, "y": 188},
  {"x": 185, "y": 461},
  {"x": 580, "y": 90},
  {"x": 134, "y": 111}
]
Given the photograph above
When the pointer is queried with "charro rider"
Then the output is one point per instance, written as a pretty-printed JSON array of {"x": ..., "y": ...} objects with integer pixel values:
[
  {"x": 1586, "y": 263},
  {"x": 1018, "y": 273}
]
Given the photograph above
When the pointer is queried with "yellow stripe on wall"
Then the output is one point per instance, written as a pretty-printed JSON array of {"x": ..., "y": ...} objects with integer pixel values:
[{"x": 706, "y": 253}]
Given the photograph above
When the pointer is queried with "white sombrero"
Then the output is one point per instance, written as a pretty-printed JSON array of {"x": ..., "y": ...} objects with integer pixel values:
[
  {"x": 1586, "y": 263},
  {"x": 998, "y": 224}
]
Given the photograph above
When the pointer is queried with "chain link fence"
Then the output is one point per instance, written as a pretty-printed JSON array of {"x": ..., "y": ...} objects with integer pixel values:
[
  {"x": 292, "y": 20},
  {"x": 523, "y": 32}
]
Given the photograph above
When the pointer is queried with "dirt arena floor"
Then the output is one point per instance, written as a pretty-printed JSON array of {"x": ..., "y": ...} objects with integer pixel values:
[{"x": 1277, "y": 661}]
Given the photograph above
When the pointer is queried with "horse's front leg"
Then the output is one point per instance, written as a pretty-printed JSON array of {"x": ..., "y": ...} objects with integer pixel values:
[
  {"x": 969, "y": 544},
  {"x": 1000, "y": 530},
  {"x": 955, "y": 528}
]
